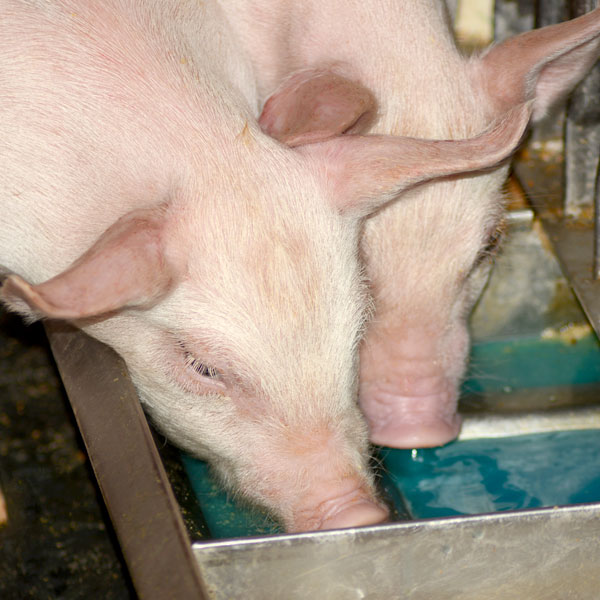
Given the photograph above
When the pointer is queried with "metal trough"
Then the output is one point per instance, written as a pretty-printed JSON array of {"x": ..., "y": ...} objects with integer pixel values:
[{"x": 543, "y": 553}]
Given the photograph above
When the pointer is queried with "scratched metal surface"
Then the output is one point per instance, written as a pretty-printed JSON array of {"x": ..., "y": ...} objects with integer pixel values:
[{"x": 539, "y": 555}]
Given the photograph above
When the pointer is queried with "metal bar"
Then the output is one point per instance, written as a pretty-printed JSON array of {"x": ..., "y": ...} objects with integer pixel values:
[
  {"x": 582, "y": 146},
  {"x": 128, "y": 468},
  {"x": 486, "y": 426},
  {"x": 511, "y": 18},
  {"x": 596, "y": 273},
  {"x": 580, "y": 7},
  {"x": 582, "y": 149}
]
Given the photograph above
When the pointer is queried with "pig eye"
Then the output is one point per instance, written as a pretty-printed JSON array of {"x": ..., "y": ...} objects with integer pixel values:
[{"x": 200, "y": 367}]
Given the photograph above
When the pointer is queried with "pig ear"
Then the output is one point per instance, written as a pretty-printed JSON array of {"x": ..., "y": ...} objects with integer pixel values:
[
  {"x": 314, "y": 105},
  {"x": 124, "y": 268},
  {"x": 366, "y": 172},
  {"x": 544, "y": 64}
]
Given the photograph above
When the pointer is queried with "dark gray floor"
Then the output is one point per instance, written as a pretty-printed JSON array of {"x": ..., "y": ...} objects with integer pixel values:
[{"x": 57, "y": 542}]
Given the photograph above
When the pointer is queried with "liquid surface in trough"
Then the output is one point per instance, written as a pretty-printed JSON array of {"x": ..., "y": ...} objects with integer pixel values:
[
  {"x": 464, "y": 477},
  {"x": 490, "y": 475}
]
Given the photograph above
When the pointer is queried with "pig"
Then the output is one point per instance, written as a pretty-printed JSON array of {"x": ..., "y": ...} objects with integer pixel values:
[
  {"x": 142, "y": 202},
  {"x": 428, "y": 254}
]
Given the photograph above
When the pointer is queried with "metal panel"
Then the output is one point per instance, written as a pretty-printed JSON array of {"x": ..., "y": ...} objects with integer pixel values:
[
  {"x": 572, "y": 240},
  {"x": 582, "y": 145},
  {"x": 544, "y": 421}
]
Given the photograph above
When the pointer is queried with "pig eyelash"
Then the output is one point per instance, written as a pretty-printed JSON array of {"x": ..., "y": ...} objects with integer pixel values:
[
  {"x": 201, "y": 368},
  {"x": 491, "y": 247}
]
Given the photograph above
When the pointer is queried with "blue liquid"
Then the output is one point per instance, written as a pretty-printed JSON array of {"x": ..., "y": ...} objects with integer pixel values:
[
  {"x": 461, "y": 478},
  {"x": 491, "y": 475},
  {"x": 225, "y": 517}
]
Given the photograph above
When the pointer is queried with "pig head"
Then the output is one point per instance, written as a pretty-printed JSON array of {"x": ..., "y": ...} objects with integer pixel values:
[
  {"x": 428, "y": 254},
  {"x": 142, "y": 202}
]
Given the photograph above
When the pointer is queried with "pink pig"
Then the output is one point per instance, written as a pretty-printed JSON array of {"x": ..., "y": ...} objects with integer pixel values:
[
  {"x": 427, "y": 255},
  {"x": 141, "y": 201}
]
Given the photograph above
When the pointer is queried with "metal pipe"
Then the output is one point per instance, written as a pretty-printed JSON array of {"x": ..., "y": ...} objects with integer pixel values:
[
  {"x": 596, "y": 266},
  {"x": 582, "y": 138},
  {"x": 549, "y": 12}
]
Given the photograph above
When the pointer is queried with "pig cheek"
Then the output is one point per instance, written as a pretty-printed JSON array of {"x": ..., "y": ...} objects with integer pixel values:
[
  {"x": 197, "y": 423},
  {"x": 474, "y": 286}
]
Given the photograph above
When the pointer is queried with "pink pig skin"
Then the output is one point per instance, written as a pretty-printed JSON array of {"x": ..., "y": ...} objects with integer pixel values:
[
  {"x": 141, "y": 201},
  {"x": 139, "y": 195},
  {"x": 426, "y": 254}
]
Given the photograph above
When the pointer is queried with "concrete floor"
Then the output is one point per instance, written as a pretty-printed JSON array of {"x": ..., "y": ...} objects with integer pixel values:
[{"x": 57, "y": 541}]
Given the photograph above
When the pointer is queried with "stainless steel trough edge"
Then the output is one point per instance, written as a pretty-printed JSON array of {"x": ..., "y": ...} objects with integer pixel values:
[{"x": 542, "y": 554}]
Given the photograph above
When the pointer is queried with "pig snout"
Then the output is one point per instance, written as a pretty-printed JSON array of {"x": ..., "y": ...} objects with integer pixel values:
[
  {"x": 314, "y": 478},
  {"x": 401, "y": 420},
  {"x": 409, "y": 387},
  {"x": 349, "y": 505}
]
